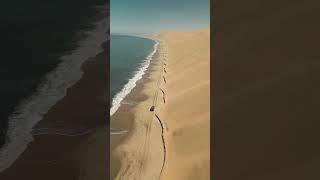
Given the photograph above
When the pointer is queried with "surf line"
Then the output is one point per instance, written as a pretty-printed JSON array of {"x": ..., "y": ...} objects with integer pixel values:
[{"x": 62, "y": 132}]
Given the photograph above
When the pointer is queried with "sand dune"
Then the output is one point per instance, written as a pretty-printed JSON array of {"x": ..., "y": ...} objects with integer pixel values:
[{"x": 187, "y": 111}]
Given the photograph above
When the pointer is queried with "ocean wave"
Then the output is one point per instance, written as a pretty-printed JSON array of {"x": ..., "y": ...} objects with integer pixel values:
[
  {"x": 127, "y": 88},
  {"x": 49, "y": 92},
  {"x": 114, "y": 131},
  {"x": 62, "y": 132}
]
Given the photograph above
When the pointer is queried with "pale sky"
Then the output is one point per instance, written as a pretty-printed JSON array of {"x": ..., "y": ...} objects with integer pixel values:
[{"x": 146, "y": 16}]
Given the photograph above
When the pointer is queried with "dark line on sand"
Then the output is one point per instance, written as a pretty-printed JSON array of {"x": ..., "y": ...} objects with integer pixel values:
[
  {"x": 162, "y": 91},
  {"x": 164, "y": 145}
]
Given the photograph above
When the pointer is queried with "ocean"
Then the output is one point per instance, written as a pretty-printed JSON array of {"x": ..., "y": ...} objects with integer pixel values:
[
  {"x": 43, "y": 45},
  {"x": 130, "y": 57}
]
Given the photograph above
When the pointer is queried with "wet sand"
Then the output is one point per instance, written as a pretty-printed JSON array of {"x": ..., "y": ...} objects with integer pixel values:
[
  {"x": 53, "y": 157},
  {"x": 138, "y": 154}
]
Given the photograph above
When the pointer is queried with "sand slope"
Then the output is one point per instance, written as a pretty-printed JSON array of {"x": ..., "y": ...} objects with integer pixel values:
[{"x": 187, "y": 110}]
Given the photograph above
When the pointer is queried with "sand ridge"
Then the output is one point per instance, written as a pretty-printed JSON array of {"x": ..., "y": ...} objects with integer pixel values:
[{"x": 187, "y": 111}]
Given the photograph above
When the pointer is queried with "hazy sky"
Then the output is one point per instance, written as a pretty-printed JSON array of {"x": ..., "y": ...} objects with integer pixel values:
[{"x": 143, "y": 16}]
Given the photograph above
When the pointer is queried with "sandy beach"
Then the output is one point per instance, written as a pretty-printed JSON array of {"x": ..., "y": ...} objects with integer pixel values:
[
  {"x": 158, "y": 144},
  {"x": 138, "y": 154},
  {"x": 65, "y": 154}
]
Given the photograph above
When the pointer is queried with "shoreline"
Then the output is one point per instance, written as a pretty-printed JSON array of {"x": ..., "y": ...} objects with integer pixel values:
[
  {"x": 47, "y": 46},
  {"x": 68, "y": 157},
  {"x": 127, "y": 117},
  {"x": 52, "y": 89},
  {"x": 132, "y": 83},
  {"x": 158, "y": 143}
]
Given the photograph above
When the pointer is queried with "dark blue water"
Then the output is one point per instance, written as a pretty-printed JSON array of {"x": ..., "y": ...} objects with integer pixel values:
[
  {"x": 127, "y": 53},
  {"x": 33, "y": 35}
]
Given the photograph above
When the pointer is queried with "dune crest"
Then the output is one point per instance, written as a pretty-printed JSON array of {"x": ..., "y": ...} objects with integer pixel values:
[{"x": 187, "y": 111}]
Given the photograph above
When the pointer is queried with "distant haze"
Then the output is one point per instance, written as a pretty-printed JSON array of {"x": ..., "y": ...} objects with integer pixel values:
[{"x": 148, "y": 16}]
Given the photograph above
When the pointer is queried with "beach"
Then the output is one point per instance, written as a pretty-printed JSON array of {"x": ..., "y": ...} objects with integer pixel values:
[
  {"x": 138, "y": 154},
  {"x": 75, "y": 142},
  {"x": 175, "y": 137},
  {"x": 32, "y": 48}
]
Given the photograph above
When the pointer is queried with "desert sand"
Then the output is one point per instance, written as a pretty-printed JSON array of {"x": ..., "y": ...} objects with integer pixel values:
[
  {"x": 187, "y": 110},
  {"x": 173, "y": 141}
]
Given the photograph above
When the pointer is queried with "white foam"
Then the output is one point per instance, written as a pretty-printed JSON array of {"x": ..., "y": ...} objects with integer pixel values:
[
  {"x": 51, "y": 90},
  {"x": 114, "y": 131},
  {"x": 130, "y": 103},
  {"x": 127, "y": 88},
  {"x": 119, "y": 132}
]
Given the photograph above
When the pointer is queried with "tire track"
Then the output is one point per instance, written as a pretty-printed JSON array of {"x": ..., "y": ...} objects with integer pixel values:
[{"x": 144, "y": 149}]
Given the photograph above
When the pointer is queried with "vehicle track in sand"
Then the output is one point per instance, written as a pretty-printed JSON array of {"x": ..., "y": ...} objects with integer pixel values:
[{"x": 143, "y": 151}]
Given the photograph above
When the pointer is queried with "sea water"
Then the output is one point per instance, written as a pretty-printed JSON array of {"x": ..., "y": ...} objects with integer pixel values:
[{"x": 130, "y": 57}]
